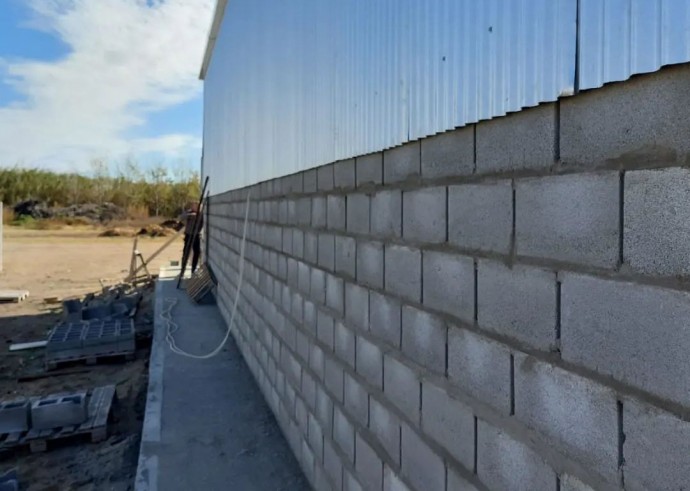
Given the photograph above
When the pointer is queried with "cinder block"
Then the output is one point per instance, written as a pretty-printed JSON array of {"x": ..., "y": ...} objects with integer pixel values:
[
  {"x": 385, "y": 318},
  {"x": 318, "y": 212},
  {"x": 456, "y": 481},
  {"x": 656, "y": 449},
  {"x": 401, "y": 163},
  {"x": 309, "y": 390},
  {"x": 480, "y": 216},
  {"x": 391, "y": 481},
  {"x": 301, "y": 415},
  {"x": 303, "y": 211},
  {"x": 368, "y": 465},
  {"x": 572, "y": 218},
  {"x": 307, "y": 461},
  {"x": 401, "y": 387},
  {"x": 346, "y": 256},
  {"x": 335, "y": 295},
  {"x": 421, "y": 465},
  {"x": 303, "y": 346},
  {"x": 424, "y": 339},
  {"x": 318, "y": 285},
  {"x": 635, "y": 333},
  {"x": 370, "y": 362},
  {"x": 58, "y": 411},
  {"x": 345, "y": 344},
  {"x": 14, "y": 416},
  {"x": 403, "y": 272},
  {"x": 298, "y": 243},
  {"x": 315, "y": 437},
  {"x": 325, "y": 328},
  {"x": 424, "y": 214},
  {"x": 303, "y": 277},
  {"x": 519, "y": 302},
  {"x": 449, "y": 284},
  {"x": 570, "y": 483},
  {"x": 657, "y": 213},
  {"x": 309, "y": 180},
  {"x": 480, "y": 367},
  {"x": 386, "y": 428},
  {"x": 311, "y": 247},
  {"x": 324, "y": 177},
  {"x": 639, "y": 122},
  {"x": 356, "y": 400},
  {"x": 350, "y": 483},
  {"x": 521, "y": 140},
  {"x": 448, "y": 422},
  {"x": 358, "y": 213},
  {"x": 327, "y": 251},
  {"x": 324, "y": 410},
  {"x": 357, "y": 306},
  {"x": 576, "y": 415},
  {"x": 344, "y": 434},
  {"x": 370, "y": 169},
  {"x": 370, "y": 264},
  {"x": 505, "y": 463},
  {"x": 333, "y": 374},
  {"x": 336, "y": 212},
  {"x": 316, "y": 361},
  {"x": 386, "y": 213},
  {"x": 332, "y": 464},
  {"x": 344, "y": 174},
  {"x": 448, "y": 154}
]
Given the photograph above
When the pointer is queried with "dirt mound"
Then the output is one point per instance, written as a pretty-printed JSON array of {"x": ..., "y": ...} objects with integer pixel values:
[
  {"x": 101, "y": 213},
  {"x": 173, "y": 224},
  {"x": 118, "y": 232},
  {"x": 155, "y": 231}
]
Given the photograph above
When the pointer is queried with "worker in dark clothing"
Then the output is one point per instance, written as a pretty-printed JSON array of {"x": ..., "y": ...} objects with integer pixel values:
[{"x": 188, "y": 218}]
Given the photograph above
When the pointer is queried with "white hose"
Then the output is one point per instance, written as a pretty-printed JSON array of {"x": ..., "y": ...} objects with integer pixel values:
[{"x": 172, "y": 327}]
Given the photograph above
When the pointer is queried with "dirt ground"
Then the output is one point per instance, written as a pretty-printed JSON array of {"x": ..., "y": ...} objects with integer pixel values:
[{"x": 69, "y": 264}]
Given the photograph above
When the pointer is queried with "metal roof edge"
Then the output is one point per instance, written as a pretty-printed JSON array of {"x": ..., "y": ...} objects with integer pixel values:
[{"x": 212, "y": 36}]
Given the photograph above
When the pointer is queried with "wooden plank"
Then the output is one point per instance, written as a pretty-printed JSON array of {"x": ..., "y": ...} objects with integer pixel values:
[
  {"x": 104, "y": 410},
  {"x": 155, "y": 254},
  {"x": 94, "y": 403},
  {"x": 13, "y": 295},
  {"x": 27, "y": 346}
]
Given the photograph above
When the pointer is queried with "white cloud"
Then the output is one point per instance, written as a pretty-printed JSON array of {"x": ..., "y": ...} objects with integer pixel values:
[{"x": 128, "y": 58}]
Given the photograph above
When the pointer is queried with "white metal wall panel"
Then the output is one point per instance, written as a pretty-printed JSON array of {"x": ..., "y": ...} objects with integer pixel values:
[{"x": 293, "y": 85}]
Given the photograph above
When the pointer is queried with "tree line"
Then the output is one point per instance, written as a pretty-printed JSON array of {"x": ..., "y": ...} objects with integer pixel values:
[{"x": 159, "y": 191}]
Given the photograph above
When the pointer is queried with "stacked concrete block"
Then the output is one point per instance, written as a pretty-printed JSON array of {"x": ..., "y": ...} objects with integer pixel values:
[
  {"x": 15, "y": 416},
  {"x": 502, "y": 306},
  {"x": 59, "y": 411}
]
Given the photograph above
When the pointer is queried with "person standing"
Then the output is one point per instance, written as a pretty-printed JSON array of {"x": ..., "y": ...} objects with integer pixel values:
[{"x": 188, "y": 218}]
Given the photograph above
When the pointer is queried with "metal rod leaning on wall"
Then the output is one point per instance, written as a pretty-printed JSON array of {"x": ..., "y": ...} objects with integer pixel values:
[{"x": 195, "y": 231}]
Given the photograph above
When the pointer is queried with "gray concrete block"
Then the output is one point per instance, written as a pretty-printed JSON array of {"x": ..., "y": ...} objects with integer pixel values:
[
  {"x": 346, "y": 256},
  {"x": 324, "y": 410},
  {"x": 324, "y": 178},
  {"x": 344, "y": 174},
  {"x": 303, "y": 211},
  {"x": 386, "y": 428},
  {"x": 58, "y": 411},
  {"x": 449, "y": 422},
  {"x": 458, "y": 482},
  {"x": 448, "y": 154},
  {"x": 368, "y": 465},
  {"x": 480, "y": 367},
  {"x": 385, "y": 318},
  {"x": 401, "y": 163},
  {"x": 335, "y": 295},
  {"x": 357, "y": 306},
  {"x": 424, "y": 339},
  {"x": 293, "y": 273},
  {"x": 657, "y": 214},
  {"x": 301, "y": 415},
  {"x": 570, "y": 483},
  {"x": 318, "y": 285},
  {"x": 344, "y": 434},
  {"x": 521, "y": 140},
  {"x": 480, "y": 216},
  {"x": 298, "y": 243},
  {"x": 639, "y": 122},
  {"x": 309, "y": 180},
  {"x": 370, "y": 264},
  {"x": 319, "y": 212},
  {"x": 345, "y": 344},
  {"x": 369, "y": 169},
  {"x": 401, "y": 386},
  {"x": 311, "y": 247},
  {"x": 333, "y": 374},
  {"x": 316, "y": 361},
  {"x": 575, "y": 414},
  {"x": 449, "y": 284},
  {"x": 424, "y": 215},
  {"x": 14, "y": 416},
  {"x": 519, "y": 302},
  {"x": 420, "y": 465},
  {"x": 356, "y": 400},
  {"x": 358, "y": 213},
  {"x": 403, "y": 272},
  {"x": 332, "y": 464},
  {"x": 303, "y": 278},
  {"x": 336, "y": 212},
  {"x": 392, "y": 482},
  {"x": 635, "y": 333},
  {"x": 572, "y": 218},
  {"x": 656, "y": 449},
  {"x": 303, "y": 346},
  {"x": 327, "y": 251},
  {"x": 370, "y": 362},
  {"x": 350, "y": 483},
  {"x": 308, "y": 390},
  {"x": 506, "y": 463},
  {"x": 386, "y": 213}
]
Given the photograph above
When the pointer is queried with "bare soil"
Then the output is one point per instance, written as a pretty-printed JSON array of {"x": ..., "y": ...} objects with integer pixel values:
[{"x": 69, "y": 263}]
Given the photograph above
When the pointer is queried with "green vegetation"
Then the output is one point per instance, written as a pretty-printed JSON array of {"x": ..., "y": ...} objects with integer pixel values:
[{"x": 157, "y": 192}]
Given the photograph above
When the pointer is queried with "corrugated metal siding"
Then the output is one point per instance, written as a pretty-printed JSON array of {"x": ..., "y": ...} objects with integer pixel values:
[
  {"x": 620, "y": 38},
  {"x": 293, "y": 85}
]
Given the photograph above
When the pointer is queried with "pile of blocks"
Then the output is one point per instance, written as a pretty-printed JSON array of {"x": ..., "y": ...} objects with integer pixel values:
[
  {"x": 90, "y": 339},
  {"x": 57, "y": 411}
]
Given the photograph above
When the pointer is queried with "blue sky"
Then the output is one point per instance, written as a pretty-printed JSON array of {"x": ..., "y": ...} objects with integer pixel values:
[{"x": 107, "y": 79}]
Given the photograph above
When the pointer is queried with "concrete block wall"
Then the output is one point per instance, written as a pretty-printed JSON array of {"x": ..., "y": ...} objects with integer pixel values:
[{"x": 502, "y": 307}]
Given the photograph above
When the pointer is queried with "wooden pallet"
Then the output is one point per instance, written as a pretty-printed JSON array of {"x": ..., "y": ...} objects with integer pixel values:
[
  {"x": 13, "y": 296},
  {"x": 100, "y": 404},
  {"x": 200, "y": 284},
  {"x": 53, "y": 364}
]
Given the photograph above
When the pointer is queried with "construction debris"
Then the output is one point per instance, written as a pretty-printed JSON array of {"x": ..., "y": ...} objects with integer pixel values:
[
  {"x": 13, "y": 296},
  {"x": 200, "y": 286},
  {"x": 27, "y": 346}
]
